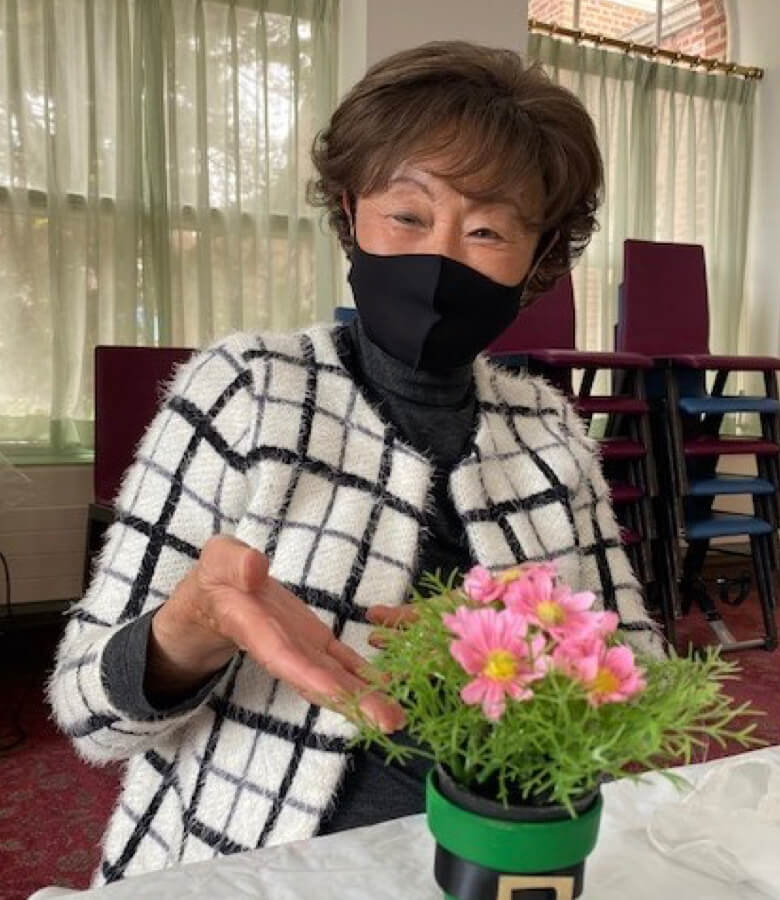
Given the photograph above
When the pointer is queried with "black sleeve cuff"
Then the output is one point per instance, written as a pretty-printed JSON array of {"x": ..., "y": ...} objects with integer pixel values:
[{"x": 124, "y": 668}]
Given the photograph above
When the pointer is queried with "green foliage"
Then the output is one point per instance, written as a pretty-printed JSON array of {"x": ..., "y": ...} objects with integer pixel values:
[{"x": 555, "y": 745}]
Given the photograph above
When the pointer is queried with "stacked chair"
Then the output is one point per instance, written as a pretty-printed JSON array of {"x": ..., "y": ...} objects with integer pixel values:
[
  {"x": 663, "y": 314},
  {"x": 129, "y": 383},
  {"x": 541, "y": 339}
]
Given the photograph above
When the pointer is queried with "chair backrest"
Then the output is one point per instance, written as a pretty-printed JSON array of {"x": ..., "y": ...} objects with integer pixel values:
[
  {"x": 663, "y": 299},
  {"x": 545, "y": 324},
  {"x": 128, "y": 391}
]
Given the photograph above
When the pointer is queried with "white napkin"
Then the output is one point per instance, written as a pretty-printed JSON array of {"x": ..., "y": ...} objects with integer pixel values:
[{"x": 728, "y": 826}]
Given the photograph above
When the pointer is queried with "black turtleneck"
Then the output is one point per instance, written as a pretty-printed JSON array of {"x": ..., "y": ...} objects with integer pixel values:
[{"x": 436, "y": 414}]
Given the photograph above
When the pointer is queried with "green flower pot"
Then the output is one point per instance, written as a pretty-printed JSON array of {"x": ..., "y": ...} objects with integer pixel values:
[{"x": 485, "y": 851}]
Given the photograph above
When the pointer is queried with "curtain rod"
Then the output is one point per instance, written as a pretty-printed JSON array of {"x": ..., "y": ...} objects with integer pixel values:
[{"x": 674, "y": 56}]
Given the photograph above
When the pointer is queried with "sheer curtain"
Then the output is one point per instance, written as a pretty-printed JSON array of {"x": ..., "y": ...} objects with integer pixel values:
[
  {"x": 677, "y": 147},
  {"x": 153, "y": 162}
]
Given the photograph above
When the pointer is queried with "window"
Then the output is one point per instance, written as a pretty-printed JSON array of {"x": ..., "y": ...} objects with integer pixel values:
[
  {"x": 676, "y": 142},
  {"x": 153, "y": 163},
  {"x": 696, "y": 27}
]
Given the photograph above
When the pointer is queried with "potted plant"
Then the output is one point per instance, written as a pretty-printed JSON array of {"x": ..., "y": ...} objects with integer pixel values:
[{"x": 525, "y": 700}]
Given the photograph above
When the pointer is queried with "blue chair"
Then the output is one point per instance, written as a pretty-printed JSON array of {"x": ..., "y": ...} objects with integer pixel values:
[{"x": 663, "y": 313}]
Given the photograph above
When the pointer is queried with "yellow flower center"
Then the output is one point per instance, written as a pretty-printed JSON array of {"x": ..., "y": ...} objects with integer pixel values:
[
  {"x": 509, "y": 575},
  {"x": 550, "y": 613},
  {"x": 605, "y": 682},
  {"x": 501, "y": 665}
]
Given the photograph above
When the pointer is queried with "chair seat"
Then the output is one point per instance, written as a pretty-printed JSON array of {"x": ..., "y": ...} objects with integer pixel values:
[
  {"x": 736, "y": 363},
  {"x": 584, "y": 359},
  {"x": 729, "y": 484},
  {"x": 621, "y": 448},
  {"x": 714, "y": 405},
  {"x": 623, "y": 492},
  {"x": 728, "y": 446},
  {"x": 596, "y": 404},
  {"x": 722, "y": 524}
]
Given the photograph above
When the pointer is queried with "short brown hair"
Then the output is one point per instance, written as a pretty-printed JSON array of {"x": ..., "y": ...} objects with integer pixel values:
[{"x": 508, "y": 123}]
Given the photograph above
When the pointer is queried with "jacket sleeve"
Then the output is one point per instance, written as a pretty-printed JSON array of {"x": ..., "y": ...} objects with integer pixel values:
[
  {"x": 605, "y": 567},
  {"x": 187, "y": 482}
]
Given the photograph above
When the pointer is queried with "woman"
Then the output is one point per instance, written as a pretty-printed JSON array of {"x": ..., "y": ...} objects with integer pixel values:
[{"x": 293, "y": 487}]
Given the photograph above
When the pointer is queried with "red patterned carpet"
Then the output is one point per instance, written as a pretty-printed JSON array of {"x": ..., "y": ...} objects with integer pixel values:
[{"x": 53, "y": 807}]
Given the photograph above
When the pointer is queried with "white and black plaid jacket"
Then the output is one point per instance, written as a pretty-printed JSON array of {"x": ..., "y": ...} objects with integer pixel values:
[{"x": 269, "y": 438}]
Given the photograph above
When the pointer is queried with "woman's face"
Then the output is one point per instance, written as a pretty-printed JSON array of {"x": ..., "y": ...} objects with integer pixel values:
[{"x": 420, "y": 212}]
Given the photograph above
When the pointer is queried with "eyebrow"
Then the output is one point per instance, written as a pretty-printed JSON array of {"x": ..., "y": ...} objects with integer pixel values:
[
  {"x": 409, "y": 179},
  {"x": 514, "y": 207}
]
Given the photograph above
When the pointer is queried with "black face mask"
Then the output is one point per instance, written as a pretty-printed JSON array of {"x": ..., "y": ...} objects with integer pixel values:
[{"x": 429, "y": 311}]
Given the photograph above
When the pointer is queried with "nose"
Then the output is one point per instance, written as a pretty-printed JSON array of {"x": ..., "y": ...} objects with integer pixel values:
[{"x": 446, "y": 238}]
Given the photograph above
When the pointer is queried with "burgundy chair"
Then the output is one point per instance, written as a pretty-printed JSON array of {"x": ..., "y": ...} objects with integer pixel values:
[
  {"x": 128, "y": 389},
  {"x": 664, "y": 313},
  {"x": 542, "y": 339}
]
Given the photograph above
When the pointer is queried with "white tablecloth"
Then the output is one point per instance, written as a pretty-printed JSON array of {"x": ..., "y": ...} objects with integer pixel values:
[{"x": 394, "y": 860}]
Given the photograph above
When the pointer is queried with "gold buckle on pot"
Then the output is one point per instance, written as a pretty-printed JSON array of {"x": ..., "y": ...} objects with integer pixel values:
[{"x": 563, "y": 885}]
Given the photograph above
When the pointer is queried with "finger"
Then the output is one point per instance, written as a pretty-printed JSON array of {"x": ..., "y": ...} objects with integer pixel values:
[
  {"x": 392, "y": 616},
  {"x": 355, "y": 663},
  {"x": 227, "y": 560},
  {"x": 348, "y": 658},
  {"x": 378, "y": 640},
  {"x": 324, "y": 678}
]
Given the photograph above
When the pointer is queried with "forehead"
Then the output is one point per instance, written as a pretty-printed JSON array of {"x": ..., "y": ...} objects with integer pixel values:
[{"x": 438, "y": 175}]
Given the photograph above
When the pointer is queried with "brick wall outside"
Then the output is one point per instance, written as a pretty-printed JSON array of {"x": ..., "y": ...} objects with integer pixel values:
[
  {"x": 611, "y": 19},
  {"x": 558, "y": 11},
  {"x": 706, "y": 37}
]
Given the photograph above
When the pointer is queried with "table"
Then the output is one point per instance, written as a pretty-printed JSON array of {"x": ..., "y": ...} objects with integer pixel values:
[{"x": 394, "y": 860}]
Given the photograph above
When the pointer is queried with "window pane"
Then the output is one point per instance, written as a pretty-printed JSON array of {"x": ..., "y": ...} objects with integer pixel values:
[
  {"x": 631, "y": 20},
  {"x": 561, "y": 12},
  {"x": 697, "y": 29}
]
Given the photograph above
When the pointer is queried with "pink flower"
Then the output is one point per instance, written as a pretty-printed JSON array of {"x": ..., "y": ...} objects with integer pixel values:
[
  {"x": 556, "y": 609},
  {"x": 608, "y": 674},
  {"x": 494, "y": 646},
  {"x": 604, "y": 622},
  {"x": 570, "y": 656},
  {"x": 481, "y": 587}
]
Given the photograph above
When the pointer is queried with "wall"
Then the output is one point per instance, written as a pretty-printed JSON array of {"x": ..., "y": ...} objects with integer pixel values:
[{"x": 43, "y": 536}]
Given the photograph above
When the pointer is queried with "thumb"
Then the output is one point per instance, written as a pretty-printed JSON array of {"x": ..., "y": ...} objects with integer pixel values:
[{"x": 253, "y": 571}]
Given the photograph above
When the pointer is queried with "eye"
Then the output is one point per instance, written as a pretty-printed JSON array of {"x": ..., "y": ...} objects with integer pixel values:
[
  {"x": 486, "y": 234},
  {"x": 407, "y": 218}
]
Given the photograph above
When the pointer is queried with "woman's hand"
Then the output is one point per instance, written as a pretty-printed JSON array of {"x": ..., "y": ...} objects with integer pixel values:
[
  {"x": 228, "y": 601},
  {"x": 389, "y": 617}
]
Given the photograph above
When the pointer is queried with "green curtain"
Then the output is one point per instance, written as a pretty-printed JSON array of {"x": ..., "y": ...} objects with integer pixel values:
[
  {"x": 677, "y": 146},
  {"x": 153, "y": 162}
]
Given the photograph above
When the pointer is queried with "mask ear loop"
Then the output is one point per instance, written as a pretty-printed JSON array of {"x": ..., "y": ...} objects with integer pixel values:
[
  {"x": 349, "y": 213},
  {"x": 537, "y": 262}
]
